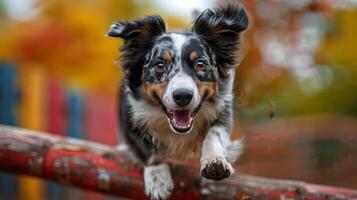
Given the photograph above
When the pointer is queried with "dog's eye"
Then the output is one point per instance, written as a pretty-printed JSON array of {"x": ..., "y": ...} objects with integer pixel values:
[
  {"x": 200, "y": 65},
  {"x": 160, "y": 67}
]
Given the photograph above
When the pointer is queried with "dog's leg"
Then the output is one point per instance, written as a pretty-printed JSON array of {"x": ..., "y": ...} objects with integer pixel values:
[
  {"x": 213, "y": 156},
  {"x": 157, "y": 177},
  {"x": 158, "y": 181}
]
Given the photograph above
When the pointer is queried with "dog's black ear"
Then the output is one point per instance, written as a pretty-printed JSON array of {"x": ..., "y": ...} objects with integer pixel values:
[
  {"x": 220, "y": 28},
  {"x": 138, "y": 35},
  {"x": 149, "y": 26}
]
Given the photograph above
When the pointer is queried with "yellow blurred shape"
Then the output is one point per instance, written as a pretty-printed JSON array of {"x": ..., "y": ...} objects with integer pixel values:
[{"x": 32, "y": 114}]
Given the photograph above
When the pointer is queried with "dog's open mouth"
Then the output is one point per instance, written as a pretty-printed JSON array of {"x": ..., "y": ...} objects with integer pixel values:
[{"x": 181, "y": 120}]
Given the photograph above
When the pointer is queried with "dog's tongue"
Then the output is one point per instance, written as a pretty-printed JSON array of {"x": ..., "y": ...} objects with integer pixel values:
[{"x": 182, "y": 117}]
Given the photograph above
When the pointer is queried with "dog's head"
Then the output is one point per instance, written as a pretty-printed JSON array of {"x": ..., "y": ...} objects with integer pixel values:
[{"x": 178, "y": 71}]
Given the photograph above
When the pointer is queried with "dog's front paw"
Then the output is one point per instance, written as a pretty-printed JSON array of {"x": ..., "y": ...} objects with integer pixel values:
[
  {"x": 158, "y": 181},
  {"x": 217, "y": 169}
]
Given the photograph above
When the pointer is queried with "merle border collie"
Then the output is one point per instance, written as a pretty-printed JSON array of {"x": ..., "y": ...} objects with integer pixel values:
[{"x": 177, "y": 95}]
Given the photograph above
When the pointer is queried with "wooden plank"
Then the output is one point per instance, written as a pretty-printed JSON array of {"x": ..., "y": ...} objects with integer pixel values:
[{"x": 104, "y": 169}]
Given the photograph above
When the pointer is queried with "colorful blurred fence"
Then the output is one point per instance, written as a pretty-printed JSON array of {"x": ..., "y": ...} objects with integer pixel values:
[{"x": 33, "y": 99}]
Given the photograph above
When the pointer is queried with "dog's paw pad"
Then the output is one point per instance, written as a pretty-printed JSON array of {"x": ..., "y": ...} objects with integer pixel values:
[{"x": 217, "y": 169}]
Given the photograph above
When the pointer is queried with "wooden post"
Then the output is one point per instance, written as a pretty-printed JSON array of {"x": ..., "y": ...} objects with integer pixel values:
[{"x": 105, "y": 169}]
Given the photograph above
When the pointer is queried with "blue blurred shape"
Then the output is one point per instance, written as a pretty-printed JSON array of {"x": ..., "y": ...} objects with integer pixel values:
[
  {"x": 75, "y": 109},
  {"x": 8, "y": 94}
]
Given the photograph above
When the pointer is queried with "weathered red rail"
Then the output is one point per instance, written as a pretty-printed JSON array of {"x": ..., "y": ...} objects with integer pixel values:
[{"x": 101, "y": 168}]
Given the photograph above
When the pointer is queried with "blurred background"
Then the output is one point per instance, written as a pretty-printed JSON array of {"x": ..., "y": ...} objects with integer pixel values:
[{"x": 296, "y": 88}]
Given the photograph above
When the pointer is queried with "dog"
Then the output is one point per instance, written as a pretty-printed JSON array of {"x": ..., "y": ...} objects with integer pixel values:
[{"x": 177, "y": 95}]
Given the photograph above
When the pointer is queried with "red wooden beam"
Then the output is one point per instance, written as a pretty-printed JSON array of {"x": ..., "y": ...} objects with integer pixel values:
[{"x": 104, "y": 169}]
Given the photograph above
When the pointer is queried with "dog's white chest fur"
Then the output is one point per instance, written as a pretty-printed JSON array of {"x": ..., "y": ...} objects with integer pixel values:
[{"x": 152, "y": 119}]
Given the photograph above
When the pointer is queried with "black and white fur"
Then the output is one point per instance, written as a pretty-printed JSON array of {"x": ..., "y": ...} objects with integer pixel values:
[{"x": 177, "y": 96}]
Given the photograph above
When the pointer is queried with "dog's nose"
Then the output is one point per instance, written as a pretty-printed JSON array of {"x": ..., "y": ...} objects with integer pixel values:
[{"x": 182, "y": 96}]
